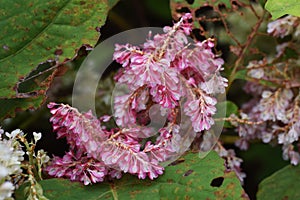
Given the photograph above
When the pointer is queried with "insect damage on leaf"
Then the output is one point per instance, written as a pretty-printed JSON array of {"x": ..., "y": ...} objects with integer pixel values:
[{"x": 217, "y": 182}]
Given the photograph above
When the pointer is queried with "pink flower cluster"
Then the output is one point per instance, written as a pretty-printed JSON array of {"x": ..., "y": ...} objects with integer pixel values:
[
  {"x": 95, "y": 152},
  {"x": 162, "y": 71},
  {"x": 275, "y": 104}
]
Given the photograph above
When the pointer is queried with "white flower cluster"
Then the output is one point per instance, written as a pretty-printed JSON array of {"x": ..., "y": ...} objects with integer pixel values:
[
  {"x": 11, "y": 156},
  {"x": 13, "y": 171}
]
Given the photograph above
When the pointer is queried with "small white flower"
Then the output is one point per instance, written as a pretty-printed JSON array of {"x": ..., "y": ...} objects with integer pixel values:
[
  {"x": 267, "y": 137},
  {"x": 3, "y": 171},
  {"x": 1, "y": 131},
  {"x": 14, "y": 133},
  {"x": 281, "y": 139},
  {"x": 295, "y": 157},
  {"x": 37, "y": 136},
  {"x": 256, "y": 73},
  {"x": 6, "y": 190},
  {"x": 293, "y": 135},
  {"x": 266, "y": 94},
  {"x": 43, "y": 156}
]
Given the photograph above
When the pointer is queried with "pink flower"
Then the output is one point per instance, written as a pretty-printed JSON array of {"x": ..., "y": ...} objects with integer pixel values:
[
  {"x": 123, "y": 153},
  {"x": 201, "y": 111},
  {"x": 78, "y": 168},
  {"x": 164, "y": 96},
  {"x": 81, "y": 130},
  {"x": 125, "y": 114},
  {"x": 214, "y": 85},
  {"x": 168, "y": 93},
  {"x": 127, "y": 107},
  {"x": 186, "y": 26},
  {"x": 165, "y": 145},
  {"x": 143, "y": 70},
  {"x": 123, "y": 53}
]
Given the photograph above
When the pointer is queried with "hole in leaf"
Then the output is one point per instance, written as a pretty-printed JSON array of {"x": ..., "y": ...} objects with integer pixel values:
[
  {"x": 235, "y": 3},
  {"x": 183, "y": 10},
  {"x": 217, "y": 182},
  {"x": 190, "y": 1},
  {"x": 36, "y": 80},
  {"x": 222, "y": 7},
  {"x": 204, "y": 11}
]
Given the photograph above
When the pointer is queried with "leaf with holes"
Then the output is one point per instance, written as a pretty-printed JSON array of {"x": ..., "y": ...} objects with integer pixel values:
[
  {"x": 278, "y": 8},
  {"x": 219, "y": 18},
  {"x": 35, "y": 31},
  {"x": 193, "y": 6},
  {"x": 191, "y": 178},
  {"x": 283, "y": 184},
  {"x": 198, "y": 3}
]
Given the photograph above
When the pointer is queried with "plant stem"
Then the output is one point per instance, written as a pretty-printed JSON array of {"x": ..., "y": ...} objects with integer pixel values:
[{"x": 244, "y": 50}]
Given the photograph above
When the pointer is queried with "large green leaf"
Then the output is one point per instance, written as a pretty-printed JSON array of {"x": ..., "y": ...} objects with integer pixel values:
[
  {"x": 188, "y": 178},
  {"x": 278, "y": 8},
  {"x": 283, "y": 184},
  {"x": 35, "y": 31}
]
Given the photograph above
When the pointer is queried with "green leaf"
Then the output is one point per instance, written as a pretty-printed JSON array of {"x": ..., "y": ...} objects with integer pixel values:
[
  {"x": 188, "y": 178},
  {"x": 278, "y": 8},
  {"x": 35, "y": 31},
  {"x": 283, "y": 184},
  {"x": 10, "y": 106}
]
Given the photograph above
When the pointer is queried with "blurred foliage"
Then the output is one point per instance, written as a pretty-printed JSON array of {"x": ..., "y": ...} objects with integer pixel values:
[
  {"x": 260, "y": 161},
  {"x": 281, "y": 185}
]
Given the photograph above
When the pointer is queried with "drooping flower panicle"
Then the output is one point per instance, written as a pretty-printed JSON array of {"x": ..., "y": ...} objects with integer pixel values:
[
  {"x": 167, "y": 68},
  {"x": 162, "y": 71}
]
